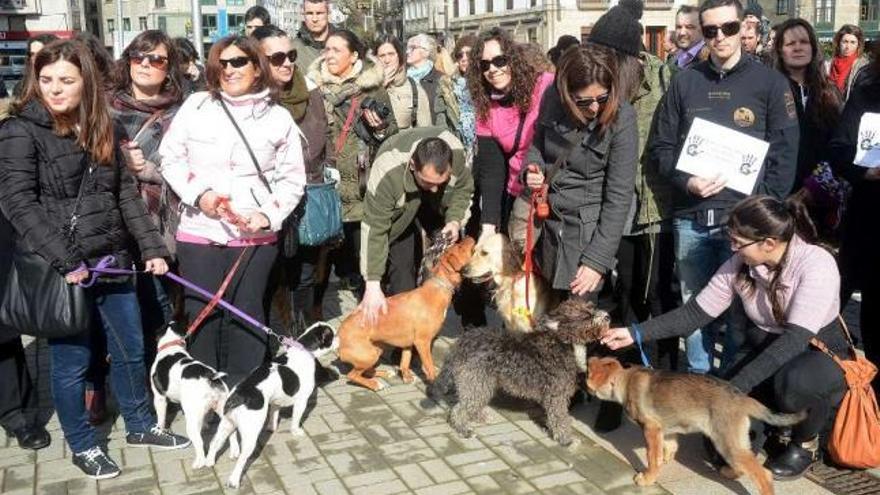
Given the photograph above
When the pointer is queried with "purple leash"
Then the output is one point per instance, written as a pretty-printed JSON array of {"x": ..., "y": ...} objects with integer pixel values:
[{"x": 104, "y": 267}]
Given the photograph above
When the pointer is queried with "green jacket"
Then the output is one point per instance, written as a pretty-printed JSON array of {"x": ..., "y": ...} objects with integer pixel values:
[
  {"x": 366, "y": 81},
  {"x": 654, "y": 194},
  {"x": 393, "y": 198}
]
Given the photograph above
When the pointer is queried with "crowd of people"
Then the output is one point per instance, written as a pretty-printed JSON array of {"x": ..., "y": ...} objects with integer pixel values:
[{"x": 204, "y": 170}]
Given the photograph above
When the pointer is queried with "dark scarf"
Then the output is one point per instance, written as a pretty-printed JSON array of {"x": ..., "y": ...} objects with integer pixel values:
[
  {"x": 126, "y": 105},
  {"x": 295, "y": 96}
]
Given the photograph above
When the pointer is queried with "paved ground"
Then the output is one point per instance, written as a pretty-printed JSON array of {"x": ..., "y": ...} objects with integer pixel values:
[{"x": 395, "y": 441}]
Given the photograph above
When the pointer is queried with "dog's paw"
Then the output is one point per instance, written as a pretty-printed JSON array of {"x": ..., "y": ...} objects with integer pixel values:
[
  {"x": 297, "y": 432},
  {"x": 670, "y": 447},
  {"x": 407, "y": 376},
  {"x": 232, "y": 483},
  {"x": 199, "y": 463},
  {"x": 234, "y": 453},
  {"x": 644, "y": 479},
  {"x": 728, "y": 472},
  {"x": 209, "y": 462},
  {"x": 565, "y": 440}
]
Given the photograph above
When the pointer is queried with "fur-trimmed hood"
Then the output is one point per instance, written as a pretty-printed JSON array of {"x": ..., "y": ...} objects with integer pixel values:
[{"x": 367, "y": 74}]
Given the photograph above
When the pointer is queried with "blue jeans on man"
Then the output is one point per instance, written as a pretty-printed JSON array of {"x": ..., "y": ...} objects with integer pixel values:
[
  {"x": 118, "y": 317},
  {"x": 699, "y": 252}
]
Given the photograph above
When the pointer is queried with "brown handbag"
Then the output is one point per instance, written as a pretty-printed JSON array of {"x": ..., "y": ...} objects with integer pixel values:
[{"x": 855, "y": 438}]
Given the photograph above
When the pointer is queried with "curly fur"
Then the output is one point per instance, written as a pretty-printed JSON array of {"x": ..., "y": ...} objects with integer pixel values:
[{"x": 538, "y": 366}]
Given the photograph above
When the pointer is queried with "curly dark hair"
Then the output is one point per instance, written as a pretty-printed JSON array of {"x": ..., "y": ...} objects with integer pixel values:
[{"x": 524, "y": 76}]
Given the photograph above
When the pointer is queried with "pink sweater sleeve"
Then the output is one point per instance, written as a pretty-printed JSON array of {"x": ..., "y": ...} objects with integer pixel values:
[{"x": 718, "y": 294}]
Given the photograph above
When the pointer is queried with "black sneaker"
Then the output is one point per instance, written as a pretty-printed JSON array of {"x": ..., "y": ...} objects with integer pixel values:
[
  {"x": 157, "y": 437},
  {"x": 96, "y": 464}
]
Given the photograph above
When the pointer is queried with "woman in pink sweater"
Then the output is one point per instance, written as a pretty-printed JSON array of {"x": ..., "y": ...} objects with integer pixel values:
[{"x": 789, "y": 289}]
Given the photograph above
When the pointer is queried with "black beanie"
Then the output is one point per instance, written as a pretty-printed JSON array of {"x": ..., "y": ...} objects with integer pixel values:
[
  {"x": 619, "y": 28},
  {"x": 754, "y": 9}
]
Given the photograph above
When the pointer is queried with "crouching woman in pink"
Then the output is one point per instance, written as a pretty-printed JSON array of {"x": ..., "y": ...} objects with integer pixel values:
[
  {"x": 234, "y": 157},
  {"x": 789, "y": 289}
]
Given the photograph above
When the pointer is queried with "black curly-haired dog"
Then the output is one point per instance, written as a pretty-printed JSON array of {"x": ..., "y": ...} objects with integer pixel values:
[{"x": 538, "y": 366}]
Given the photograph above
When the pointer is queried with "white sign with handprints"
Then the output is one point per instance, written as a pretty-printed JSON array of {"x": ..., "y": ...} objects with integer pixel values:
[
  {"x": 868, "y": 144},
  {"x": 712, "y": 150}
]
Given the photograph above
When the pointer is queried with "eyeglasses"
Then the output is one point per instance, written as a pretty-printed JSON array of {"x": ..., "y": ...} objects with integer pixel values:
[
  {"x": 414, "y": 48},
  {"x": 728, "y": 28},
  {"x": 236, "y": 62},
  {"x": 500, "y": 62},
  {"x": 277, "y": 59},
  {"x": 156, "y": 61},
  {"x": 737, "y": 246},
  {"x": 588, "y": 101}
]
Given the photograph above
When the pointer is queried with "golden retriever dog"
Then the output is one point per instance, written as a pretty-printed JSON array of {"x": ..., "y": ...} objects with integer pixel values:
[
  {"x": 664, "y": 402},
  {"x": 495, "y": 259},
  {"x": 414, "y": 319}
]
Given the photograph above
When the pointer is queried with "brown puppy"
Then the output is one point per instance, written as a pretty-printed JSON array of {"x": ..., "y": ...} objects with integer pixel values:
[
  {"x": 414, "y": 318},
  {"x": 663, "y": 402}
]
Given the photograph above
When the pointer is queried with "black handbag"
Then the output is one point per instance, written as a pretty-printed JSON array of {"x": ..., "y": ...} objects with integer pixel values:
[{"x": 36, "y": 299}]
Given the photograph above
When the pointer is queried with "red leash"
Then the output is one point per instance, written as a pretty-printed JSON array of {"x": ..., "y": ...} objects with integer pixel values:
[
  {"x": 212, "y": 303},
  {"x": 539, "y": 207}
]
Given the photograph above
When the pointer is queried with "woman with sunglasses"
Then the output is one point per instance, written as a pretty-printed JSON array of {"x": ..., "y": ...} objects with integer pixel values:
[
  {"x": 235, "y": 159},
  {"x": 59, "y": 158},
  {"x": 349, "y": 79},
  {"x": 506, "y": 91},
  {"x": 302, "y": 98},
  {"x": 788, "y": 287},
  {"x": 408, "y": 98},
  {"x": 586, "y": 142}
]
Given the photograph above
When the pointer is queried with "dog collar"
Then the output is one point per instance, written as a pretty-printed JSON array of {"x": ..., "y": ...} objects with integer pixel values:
[
  {"x": 173, "y": 343},
  {"x": 443, "y": 283}
]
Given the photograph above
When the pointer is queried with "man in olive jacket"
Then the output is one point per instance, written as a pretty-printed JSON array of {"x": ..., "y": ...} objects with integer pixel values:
[{"x": 419, "y": 175}]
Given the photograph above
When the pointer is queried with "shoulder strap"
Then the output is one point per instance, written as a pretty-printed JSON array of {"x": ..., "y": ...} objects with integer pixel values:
[
  {"x": 152, "y": 118},
  {"x": 346, "y": 128},
  {"x": 415, "y": 101},
  {"x": 517, "y": 139},
  {"x": 824, "y": 348},
  {"x": 246, "y": 145},
  {"x": 87, "y": 172}
]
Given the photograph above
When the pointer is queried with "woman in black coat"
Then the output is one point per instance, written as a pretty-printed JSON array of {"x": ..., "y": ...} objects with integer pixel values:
[
  {"x": 586, "y": 148},
  {"x": 66, "y": 191},
  {"x": 859, "y": 261}
]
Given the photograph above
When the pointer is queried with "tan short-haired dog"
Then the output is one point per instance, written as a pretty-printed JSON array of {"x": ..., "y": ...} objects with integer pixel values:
[{"x": 663, "y": 402}]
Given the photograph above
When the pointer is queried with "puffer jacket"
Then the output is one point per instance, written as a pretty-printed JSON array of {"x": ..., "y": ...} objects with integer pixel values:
[
  {"x": 40, "y": 178},
  {"x": 365, "y": 80},
  {"x": 202, "y": 151}
]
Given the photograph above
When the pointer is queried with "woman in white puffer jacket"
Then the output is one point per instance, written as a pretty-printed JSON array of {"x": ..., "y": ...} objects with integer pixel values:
[{"x": 227, "y": 205}]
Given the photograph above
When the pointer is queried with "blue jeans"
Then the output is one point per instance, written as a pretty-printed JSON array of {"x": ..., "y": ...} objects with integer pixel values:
[
  {"x": 117, "y": 311},
  {"x": 699, "y": 252}
]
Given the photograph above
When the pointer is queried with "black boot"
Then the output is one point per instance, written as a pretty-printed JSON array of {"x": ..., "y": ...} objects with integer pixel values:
[
  {"x": 32, "y": 437},
  {"x": 794, "y": 461}
]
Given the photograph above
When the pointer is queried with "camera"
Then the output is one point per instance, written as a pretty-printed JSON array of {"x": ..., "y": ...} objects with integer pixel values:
[{"x": 376, "y": 106}]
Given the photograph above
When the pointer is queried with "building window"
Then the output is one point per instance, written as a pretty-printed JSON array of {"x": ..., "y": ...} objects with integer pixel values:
[
  {"x": 162, "y": 23},
  {"x": 160, "y": 4},
  {"x": 208, "y": 2},
  {"x": 472, "y": 8},
  {"x": 142, "y": 23},
  {"x": 868, "y": 10},
  {"x": 209, "y": 25},
  {"x": 489, "y": 7},
  {"x": 235, "y": 3},
  {"x": 533, "y": 3},
  {"x": 509, "y": 4},
  {"x": 825, "y": 12},
  {"x": 236, "y": 23},
  {"x": 111, "y": 25},
  {"x": 781, "y": 7},
  {"x": 533, "y": 35},
  {"x": 455, "y": 8},
  {"x": 126, "y": 24}
]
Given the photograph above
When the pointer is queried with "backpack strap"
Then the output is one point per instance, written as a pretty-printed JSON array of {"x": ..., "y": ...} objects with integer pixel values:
[{"x": 415, "y": 101}]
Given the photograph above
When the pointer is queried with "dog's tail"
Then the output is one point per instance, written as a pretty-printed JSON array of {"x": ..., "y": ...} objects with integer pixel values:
[{"x": 761, "y": 412}]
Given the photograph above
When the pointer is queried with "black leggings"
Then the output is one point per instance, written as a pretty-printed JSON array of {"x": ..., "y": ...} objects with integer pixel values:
[
  {"x": 810, "y": 382},
  {"x": 222, "y": 341}
]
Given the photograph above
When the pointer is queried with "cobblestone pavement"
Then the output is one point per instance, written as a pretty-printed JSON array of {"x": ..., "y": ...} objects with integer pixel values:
[{"x": 394, "y": 441}]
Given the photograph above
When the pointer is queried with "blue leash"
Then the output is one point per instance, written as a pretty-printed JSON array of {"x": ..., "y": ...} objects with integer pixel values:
[{"x": 637, "y": 333}]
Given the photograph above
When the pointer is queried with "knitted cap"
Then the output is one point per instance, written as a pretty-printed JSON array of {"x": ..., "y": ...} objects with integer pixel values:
[{"x": 619, "y": 28}]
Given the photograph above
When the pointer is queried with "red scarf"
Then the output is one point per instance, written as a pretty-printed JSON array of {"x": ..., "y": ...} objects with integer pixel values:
[{"x": 840, "y": 67}]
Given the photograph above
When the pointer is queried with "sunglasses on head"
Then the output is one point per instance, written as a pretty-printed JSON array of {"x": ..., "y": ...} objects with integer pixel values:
[
  {"x": 728, "y": 28},
  {"x": 588, "y": 101},
  {"x": 236, "y": 62},
  {"x": 277, "y": 59},
  {"x": 156, "y": 61},
  {"x": 499, "y": 62}
]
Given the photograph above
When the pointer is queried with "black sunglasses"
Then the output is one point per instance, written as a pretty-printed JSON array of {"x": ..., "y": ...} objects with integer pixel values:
[
  {"x": 277, "y": 58},
  {"x": 588, "y": 101},
  {"x": 499, "y": 62},
  {"x": 728, "y": 28},
  {"x": 156, "y": 61},
  {"x": 236, "y": 62}
]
